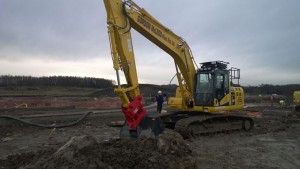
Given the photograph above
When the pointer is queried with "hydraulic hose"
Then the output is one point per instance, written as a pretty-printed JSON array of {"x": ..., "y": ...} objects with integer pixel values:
[{"x": 47, "y": 126}]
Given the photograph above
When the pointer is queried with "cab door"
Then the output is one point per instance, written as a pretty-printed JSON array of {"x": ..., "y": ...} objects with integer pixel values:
[
  {"x": 221, "y": 85},
  {"x": 204, "y": 95}
]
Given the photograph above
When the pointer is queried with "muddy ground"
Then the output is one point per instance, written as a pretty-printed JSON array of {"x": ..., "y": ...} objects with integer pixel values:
[{"x": 273, "y": 143}]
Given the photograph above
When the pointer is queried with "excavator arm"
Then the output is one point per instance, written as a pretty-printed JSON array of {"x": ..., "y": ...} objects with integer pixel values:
[{"x": 123, "y": 59}]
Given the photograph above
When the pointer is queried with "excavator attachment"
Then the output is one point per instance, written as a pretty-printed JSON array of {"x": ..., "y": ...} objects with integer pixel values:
[
  {"x": 138, "y": 122},
  {"x": 148, "y": 127},
  {"x": 134, "y": 112}
]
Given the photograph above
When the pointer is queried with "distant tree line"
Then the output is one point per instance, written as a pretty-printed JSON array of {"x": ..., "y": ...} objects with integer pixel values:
[
  {"x": 272, "y": 89},
  {"x": 54, "y": 81}
]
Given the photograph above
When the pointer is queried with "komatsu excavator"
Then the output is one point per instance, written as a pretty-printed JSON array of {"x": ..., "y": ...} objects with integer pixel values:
[{"x": 204, "y": 95}]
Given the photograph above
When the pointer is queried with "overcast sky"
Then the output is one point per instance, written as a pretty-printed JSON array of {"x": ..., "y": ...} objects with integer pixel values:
[{"x": 69, "y": 37}]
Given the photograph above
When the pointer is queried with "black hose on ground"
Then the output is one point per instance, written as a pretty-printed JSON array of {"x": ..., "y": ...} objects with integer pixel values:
[{"x": 46, "y": 126}]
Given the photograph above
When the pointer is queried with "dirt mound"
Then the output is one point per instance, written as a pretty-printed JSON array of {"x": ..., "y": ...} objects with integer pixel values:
[{"x": 166, "y": 151}]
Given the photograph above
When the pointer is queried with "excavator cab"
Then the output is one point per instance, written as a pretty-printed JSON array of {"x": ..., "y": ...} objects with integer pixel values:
[{"x": 212, "y": 83}]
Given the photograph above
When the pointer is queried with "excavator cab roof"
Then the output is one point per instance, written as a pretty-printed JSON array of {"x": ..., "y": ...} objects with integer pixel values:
[{"x": 207, "y": 66}]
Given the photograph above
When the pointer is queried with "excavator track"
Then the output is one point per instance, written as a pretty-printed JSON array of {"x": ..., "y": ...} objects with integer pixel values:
[{"x": 203, "y": 125}]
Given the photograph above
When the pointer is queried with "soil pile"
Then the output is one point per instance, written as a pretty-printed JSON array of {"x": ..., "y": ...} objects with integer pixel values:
[{"x": 166, "y": 151}]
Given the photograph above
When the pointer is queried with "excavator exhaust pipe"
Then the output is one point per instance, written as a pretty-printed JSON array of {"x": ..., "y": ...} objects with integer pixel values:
[{"x": 149, "y": 127}]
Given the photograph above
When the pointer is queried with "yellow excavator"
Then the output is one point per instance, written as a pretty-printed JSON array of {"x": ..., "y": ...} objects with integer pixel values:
[{"x": 204, "y": 95}]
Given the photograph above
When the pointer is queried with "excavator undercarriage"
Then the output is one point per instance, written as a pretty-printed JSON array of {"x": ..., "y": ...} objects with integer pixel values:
[{"x": 190, "y": 125}]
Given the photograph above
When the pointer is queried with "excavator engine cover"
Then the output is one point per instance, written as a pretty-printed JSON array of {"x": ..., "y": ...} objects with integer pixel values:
[{"x": 149, "y": 126}]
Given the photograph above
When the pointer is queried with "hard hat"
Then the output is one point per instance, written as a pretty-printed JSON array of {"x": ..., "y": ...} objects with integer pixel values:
[{"x": 159, "y": 92}]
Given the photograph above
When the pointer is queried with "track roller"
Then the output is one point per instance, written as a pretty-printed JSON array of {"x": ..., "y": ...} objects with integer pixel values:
[{"x": 206, "y": 125}]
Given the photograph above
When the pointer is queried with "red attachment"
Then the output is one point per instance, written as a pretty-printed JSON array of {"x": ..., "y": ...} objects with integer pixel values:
[{"x": 134, "y": 113}]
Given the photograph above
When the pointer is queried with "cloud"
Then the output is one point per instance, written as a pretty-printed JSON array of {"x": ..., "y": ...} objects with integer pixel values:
[
  {"x": 100, "y": 68},
  {"x": 260, "y": 37},
  {"x": 66, "y": 29}
]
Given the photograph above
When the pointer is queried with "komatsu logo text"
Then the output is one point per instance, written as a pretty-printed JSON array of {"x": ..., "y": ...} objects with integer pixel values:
[{"x": 155, "y": 30}]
